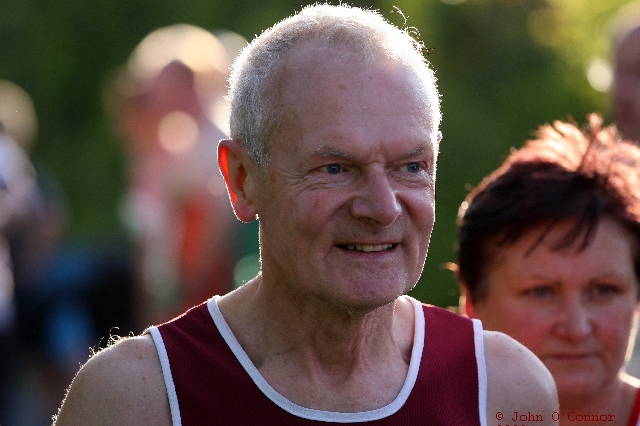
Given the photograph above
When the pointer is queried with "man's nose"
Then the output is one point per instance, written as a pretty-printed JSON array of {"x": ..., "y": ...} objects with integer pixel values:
[{"x": 376, "y": 200}]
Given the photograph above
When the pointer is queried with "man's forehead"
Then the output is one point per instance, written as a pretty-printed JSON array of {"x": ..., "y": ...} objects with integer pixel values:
[
  {"x": 314, "y": 68},
  {"x": 316, "y": 52},
  {"x": 323, "y": 91},
  {"x": 308, "y": 63}
]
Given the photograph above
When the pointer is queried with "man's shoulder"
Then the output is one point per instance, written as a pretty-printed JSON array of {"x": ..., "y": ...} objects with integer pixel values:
[
  {"x": 517, "y": 380},
  {"x": 121, "y": 384}
]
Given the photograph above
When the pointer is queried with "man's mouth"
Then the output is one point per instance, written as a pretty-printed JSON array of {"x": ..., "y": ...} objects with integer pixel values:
[{"x": 367, "y": 247}]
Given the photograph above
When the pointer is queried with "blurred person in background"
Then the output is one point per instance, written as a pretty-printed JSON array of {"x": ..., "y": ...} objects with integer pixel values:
[
  {"x": 549, "y": 253},
  {"x": 32, "y": 222},
  {"x": 58, "y": 299},
  {"x": 168, "y": 106},
  {"x": 17, "y": 195},
  {"x": 625, "y": 26},
  {"x": 625, "y": 29}
]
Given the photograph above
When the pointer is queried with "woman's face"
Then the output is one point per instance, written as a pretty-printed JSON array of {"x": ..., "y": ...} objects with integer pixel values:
[{"x": 574, "y": 309}]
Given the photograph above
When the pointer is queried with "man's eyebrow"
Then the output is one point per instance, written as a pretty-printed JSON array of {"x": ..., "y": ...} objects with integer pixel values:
[
  {"x": 417, "y": 151},
  {"x": 331, "y": 151}
]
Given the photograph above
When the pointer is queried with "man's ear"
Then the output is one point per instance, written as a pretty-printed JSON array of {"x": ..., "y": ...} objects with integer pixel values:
[{"x": 238, "y": 170}]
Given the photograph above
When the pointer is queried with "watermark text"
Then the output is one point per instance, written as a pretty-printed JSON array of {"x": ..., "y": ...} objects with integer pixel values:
[{"x": 518, "y": 418}]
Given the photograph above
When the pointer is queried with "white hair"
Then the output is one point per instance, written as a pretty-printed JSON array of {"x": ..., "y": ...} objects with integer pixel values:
[{"x": 366, "y": 32}]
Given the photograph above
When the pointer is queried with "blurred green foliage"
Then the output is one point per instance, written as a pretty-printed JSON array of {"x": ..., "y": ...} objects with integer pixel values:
[{"x": 504, "y": 67}]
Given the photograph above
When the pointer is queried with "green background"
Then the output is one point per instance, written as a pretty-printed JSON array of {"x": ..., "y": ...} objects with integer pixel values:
[{"x": 504, "y": 67}]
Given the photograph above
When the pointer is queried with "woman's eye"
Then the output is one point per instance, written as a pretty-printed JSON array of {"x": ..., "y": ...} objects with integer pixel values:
[
  {"x": 332, "y": 169},
  {"x": 540, "y": 292},
  {"x": 412, "y": 167},
  {"x": 605, "y": 290}
]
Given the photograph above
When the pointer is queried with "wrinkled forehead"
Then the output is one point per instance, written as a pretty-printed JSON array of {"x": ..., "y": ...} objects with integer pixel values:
[{"x": 312, "y": 65}]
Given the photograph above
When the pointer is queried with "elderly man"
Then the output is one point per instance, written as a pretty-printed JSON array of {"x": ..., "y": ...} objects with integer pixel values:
[{"x": 334, "y": 128}]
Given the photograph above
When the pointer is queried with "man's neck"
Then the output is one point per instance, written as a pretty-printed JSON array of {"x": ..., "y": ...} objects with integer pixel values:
[{"x": 320, "y": 355}]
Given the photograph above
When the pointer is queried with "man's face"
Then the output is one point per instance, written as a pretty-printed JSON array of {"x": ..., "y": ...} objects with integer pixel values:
[{"x": 346, "y": 205}]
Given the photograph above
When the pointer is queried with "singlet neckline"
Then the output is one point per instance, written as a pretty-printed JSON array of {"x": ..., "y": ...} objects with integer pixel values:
[{"x": 322, "y": 415}]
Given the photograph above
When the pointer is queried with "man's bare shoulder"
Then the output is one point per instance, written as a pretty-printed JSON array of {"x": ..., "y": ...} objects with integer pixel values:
[
  {"x": 518, "y": 383},
  {"x": 122, "y": 384}
]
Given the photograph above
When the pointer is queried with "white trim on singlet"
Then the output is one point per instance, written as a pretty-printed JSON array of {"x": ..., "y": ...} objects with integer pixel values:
[
  {"x": 166, "y": 372},
  {"x": 478, "y": 337},
  {"x": 321, "y": 415}
]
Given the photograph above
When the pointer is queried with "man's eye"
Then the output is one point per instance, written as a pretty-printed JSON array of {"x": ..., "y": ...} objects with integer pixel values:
[
  {"x": 412, "y": 167},
  {"x": 332, "y": 169}
]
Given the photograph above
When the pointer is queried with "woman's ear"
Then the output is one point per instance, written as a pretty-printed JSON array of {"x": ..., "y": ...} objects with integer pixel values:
[
  {"x": 238, "y": 170},
  {"x": 466, "y": 307}
]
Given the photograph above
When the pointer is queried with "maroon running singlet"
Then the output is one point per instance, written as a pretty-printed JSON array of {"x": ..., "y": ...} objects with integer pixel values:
[{"x": 211, "y": 381}]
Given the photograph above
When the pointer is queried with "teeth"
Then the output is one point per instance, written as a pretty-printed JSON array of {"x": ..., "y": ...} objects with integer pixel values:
[{"x": 368, "y": 248}]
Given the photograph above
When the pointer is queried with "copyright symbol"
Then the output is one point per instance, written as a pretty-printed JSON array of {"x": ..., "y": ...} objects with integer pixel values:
[{"x": 499, "y": 415}]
